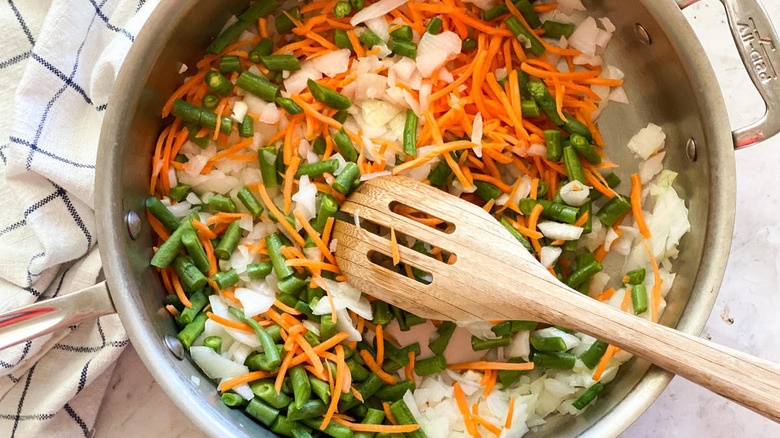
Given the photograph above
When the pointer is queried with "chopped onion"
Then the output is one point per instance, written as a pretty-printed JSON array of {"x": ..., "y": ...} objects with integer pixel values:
[
  {"x": 378, "y": 112},
  {"x": 584, "y": 37},
  {"x": 214, "y": 365},
  {"x": 618, "y": 94},
  {"x": 369, "y": 176},
  {"x": 434, "y": 50},
  {"x": 575, "y": 193},
  {"x": 306, "y": 198},
  {"x": 332, "y": 63},
  {"x": 239, "y": 111},
  {"x": 253, "y": 302},
  {"x": 569, "y": 6},
  {"x": 476, "y": 134},
  {"x": 520, "y": 345},
  {"x": 548, "y": 255},
  {"x": 556, "y": 231},
  {"x": 375, "y": 10},
  {"x": 380, "y": 27},
  {"x": 195, "y": 165},
  {"x": 537, "y": 150},
  {"x": 651, "y": 167},
  {"x": 571, "y": 341},
  {"x": 297, "y": 81},
  {"x": 647, "y": 141}
]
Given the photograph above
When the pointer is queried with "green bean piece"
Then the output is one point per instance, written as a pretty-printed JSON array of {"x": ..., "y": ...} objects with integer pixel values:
[
  {"x": 370, "y": 39},
  {"x": 395, "y": 391},
  {"x": 318, "y": 168},
  {"x": 469, "y": 45},
  {"x": 584, "y": 148},
  {"x": 271, "y": 359},
  {"x": 548, "y": 344},
  {"x": 229, "y": 241},
  {"x": 215, "y": 343},
  {"x": 573, "y": 164},
  {"x": 556, "y": 360},
  {"x": 191, "y": 331},
  {"x": 261, "y": 412},
  {"x": 357, "y": 4},
  {"x": 250, "y": 202},
  {"x": 495, "y": 12},
  {"x": 541, "y": 95},
  {"x": 191, "y": 277},
  {"x": 181, "y": 158},
  {"x": 328, "y": 208},
  {"x": 230, "y": 399},
  {"x": 227, "y": 37},
  {"x": 310, "y": 409},
  {"x": 169, "y": 249},
  {"x": 403, "y": 415},
  {"x": 180, "y": 192},
  {"x": 410, "y": 133},
  {"x": 327, "y": 327},
  {"x": 342, "y": 9},
  {"x": 487, "y": 191},
  {"x": 373, "y": 416},
  {"x": 274, "y": 245},
  {"x": 367, "y": 389},
  {"x": 486, "y": 344},
  {"x": 529, "y": 108},
  {"x": 174, "y": 301},
  {"x": 345, "y": 181},
  {"x": 218, "y": 83},
  {"x": 400, "y": 316},
  {"x": 639, "y": 298},
  {"x": 209, "y": 120},
  {"x": 282, "y": 426},
  {"x": 289, "y": 105},
  {"x": 412, "y": 319},
  {"x": 283, "y": 22},
  {"x": 258, "y": 270},
  {"x": 162, "y": 214},
  {"x": 574, "y": 126},
  {"x": 210, "y": 101},
  {"x": 612, "y": 180},
  {"x": 507, "y": 327},
  {"x": 587, "y": 227},
  {"x": 257, "y": 85},
  {"x": 222, "y": 203},
  {"x": 280, "y": 62},
  {"x": 225, "y": 279},
  {"x": 195, "y": 250},
  {"x": 583, "y": 273},
  {"x": 527, "y": 11},
  {"x": 509, "y": 377},
  {"x": 301, "y": 431},
  {"x": 318, "y": 145},
  {"x": 264, "y": 47},
  {"x": 588, "y": 396},
  {"x": 637, "y": 276},
  {"x": 516, "y": 234},
  {"x": 554, "y": 29},
  {"x": 186, "y": 111},
  {"x": 554, "y": 142},
  {"x": 381, "y": 312},
  {"x": 522, "y": 34},
  {"x": 550, "y": 209},
  {"x": 229, "y": 64},
  {"x": 434, "y": 26},
  {"x": 444, "y": 332},
  {"x": 403, "y": 33},
  {"x": 333, "y": 429},
  {"x": 440, "y": 174},
  {"x": 246, "y": 128},
  {"x": 341, "y": 40},
  {"x": 329, "y": 97},
  {"x": 198, "y": 301},
  {"x": 432, "y": 365},
  {"x": 259, "y": 9},
  {"x": 291, "y": 284},
  {"x": 359, "y": 373},
  {"x": 404, "y": 48},
  {"x": 341, "y": 116},
  {"x": 613, "y": 210},
  {"x": 320, "y": 388},
  {"x": 267, "y": 158}
]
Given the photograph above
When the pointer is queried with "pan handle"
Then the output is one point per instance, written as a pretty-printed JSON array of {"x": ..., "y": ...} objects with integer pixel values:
[
  {"x": 759, "y": 48},
  {"x": 51, "y": 315}
]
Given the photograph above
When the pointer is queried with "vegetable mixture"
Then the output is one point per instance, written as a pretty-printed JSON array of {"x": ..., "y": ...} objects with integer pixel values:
[{"x": 496, "y": 102}]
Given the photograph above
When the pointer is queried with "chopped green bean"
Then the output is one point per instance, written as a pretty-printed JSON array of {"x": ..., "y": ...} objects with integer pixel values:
[
  {"x": 637, "y": 276},
  {"x": 258, "y": 270},
  {"x": 509, "y": 377},
  {"x": 345, "y": 181},
  {"x": 519, "y": 30},
  {"x": 261, "y": 412},
  {"x": 432, "y": 365},
  {"x": 162, "y": 214},
  {"x": 342, "y": 9},
  {"x": 267, "y": 158},
  {"x": 584, "y": 148},
  {"x": 225, "y": 279},
  {"x": 229, "y": 64},
  {"x": 434, "y": 26},
  {"x": 327, "y": 96},
  {"x": 246, "y": 128},
  {"x": 280, "y": 62},
  {"x": 403, "y": 415},
  {"x": 487, "y": 191},
  {"x": 317, "y": 168},
  {"x": 169, "y": 249},
  {"x": 639, "y": 298},
  {"x": 283, "y": 22},
  {"x": 404, "y": 48},
  {"x": 395, "y": 391},
  {"x": 403, "y": 33},
  {"x": 229, "y": 241},
  {"x": 218, "y": 83},
  {"x": 264, "y": 47},
  {"x": 557, "y": 360},
  {"x": 191, "y": 331},
  {"x": 210, "y": 101},
  {"x": 198, "y": 301},
  {"x": 215, "y": 343},
  {"x": 469, "y": 45},
  {"x": 341, "y": 40},
  {"x": 259, "y": 9},
  {"x": 588, "y": 396},
  {"x": 250, "y": 202},
  {"x": 548, "y": 344},
  {"x": 227, "y": 37},
  {"x": 222, "y": 203},
  {"x": 310, "y": 409},
  {"x": 613, "y": 210},
  {"x": 573, "y": 164},
  {"x": 554, "y": 142},
  {"x": 528, "y": 12},
  {"x": 257, "y": 85},
  {"x": 370, "y": 39},
  {"x": 554, "y": 29},
  {"x": 191, "y": 277},
  {"x": 444, "y": 332}
]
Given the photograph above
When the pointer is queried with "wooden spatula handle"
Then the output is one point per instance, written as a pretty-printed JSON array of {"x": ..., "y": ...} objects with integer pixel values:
[{"x": 745, "y": 379}]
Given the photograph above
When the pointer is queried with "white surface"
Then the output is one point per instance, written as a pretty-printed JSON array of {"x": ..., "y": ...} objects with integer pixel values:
[{"x": 748, "y": 296}]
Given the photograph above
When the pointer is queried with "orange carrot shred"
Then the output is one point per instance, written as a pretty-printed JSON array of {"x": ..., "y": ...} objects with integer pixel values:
[
  {"x": 636, "y": 205},
  {"x": 377, "y": 369}
]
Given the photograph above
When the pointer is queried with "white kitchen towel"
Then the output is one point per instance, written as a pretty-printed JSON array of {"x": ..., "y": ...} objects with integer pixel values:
[{"x": 58, "y": 63}]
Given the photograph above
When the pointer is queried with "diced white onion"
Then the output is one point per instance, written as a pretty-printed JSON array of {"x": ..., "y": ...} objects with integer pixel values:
[
  {"x": 434, "y": 50},
  {"x": 476, "y": 134},
  {"x": 556, "y": 231},
  {"x": 253, "y": 302},
  {"x": 375, "y": 10},
  {"x": 332, "y": 63},
  {"x": 575, "y": 193},
  {"x": 548, "y": 255},
  {"x": 647, "y": 141},
  {"x": 239, "y": 111},
  {"x": 214, "y": 365}
]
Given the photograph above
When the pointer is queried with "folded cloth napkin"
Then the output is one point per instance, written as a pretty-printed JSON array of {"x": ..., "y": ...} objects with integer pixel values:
[{"x": 58, "y": 63}]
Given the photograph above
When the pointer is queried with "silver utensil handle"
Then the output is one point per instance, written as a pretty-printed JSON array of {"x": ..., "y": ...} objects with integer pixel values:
[
  {"x": 51, "y": 315},
  {"x": 759, "y": 48}
]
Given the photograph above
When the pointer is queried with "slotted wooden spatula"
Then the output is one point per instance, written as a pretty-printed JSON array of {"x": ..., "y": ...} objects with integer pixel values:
[{"x": 493, "y": 277}]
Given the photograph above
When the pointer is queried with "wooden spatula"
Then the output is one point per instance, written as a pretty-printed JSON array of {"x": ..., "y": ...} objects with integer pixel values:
[{"x": 493, "y": 277}]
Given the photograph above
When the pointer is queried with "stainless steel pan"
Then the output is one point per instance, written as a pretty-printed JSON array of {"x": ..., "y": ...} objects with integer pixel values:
[{"x": 669, "y": 81}]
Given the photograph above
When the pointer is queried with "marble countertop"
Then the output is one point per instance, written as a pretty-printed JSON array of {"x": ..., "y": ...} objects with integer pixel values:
[{"x": 744, "y": 316}]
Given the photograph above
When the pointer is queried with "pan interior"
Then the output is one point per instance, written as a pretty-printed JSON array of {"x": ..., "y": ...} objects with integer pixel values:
[{"x": 658, "y": 83}]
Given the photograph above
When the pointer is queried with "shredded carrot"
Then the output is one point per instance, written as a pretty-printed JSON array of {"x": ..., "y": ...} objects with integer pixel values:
[
  {"x": 243, "y": 378},
  {"x": 380, "y": 345},
  {"x": 409, "y": 371},
  {"x": 171, "y": 309},
  {"x": 492, "y": 428},
  {"x": 203, "y": 230},
  {"x": 394, "y": 247},
  {"x": 228, "y": 323},
  {"x": 377, "y": 369},
  {"x": 532, "y": 220},
  {"x": 655, "y": 293},
  {"x": 180, "y": 291},
  {"x": 607, "y": 294},
  {"x": 483, "y": 365},
  {"x": 315, "y": 237},
  {"x": 491, "y": 383},
  {"x": 275, "y": 211},
  {"x": 336, "y": 393},
  {"x": 388, "y": 414},
  {"x": 360, "y": 427},
  {"x": 289, "y": 176},
  {"x": 510, "y": 413},
  {"x": 636, "y": 205},
  {"x": 283, "y": 370},
  {"x": 460, "y": 398}
]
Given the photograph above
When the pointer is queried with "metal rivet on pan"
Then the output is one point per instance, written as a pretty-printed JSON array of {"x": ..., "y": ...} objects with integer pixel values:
[
  {"x": 690, "y": 149},
  {"x": 642, "y": 34},
  {"x": 133, "y": 223},
  {"x": 174, "y": 345}
]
